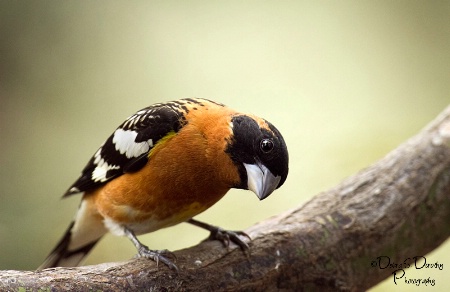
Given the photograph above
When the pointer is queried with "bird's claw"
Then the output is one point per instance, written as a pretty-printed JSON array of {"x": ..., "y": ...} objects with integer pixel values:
[
  {"x": 158, "y": 255},
  {"x": 227, "y": 236}
]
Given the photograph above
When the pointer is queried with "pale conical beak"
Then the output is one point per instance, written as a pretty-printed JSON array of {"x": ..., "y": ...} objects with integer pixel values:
[{"x": 260, "y": 180}]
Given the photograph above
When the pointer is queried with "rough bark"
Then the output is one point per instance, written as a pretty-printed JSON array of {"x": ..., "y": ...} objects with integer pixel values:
[{"x": 330, "y": 243}]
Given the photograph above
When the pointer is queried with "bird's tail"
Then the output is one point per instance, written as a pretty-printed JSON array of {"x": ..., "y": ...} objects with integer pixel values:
[{"x": 81, "y": 236}]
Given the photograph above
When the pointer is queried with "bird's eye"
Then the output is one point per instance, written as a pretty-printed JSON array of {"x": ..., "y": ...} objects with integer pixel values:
[{"x": 266, "y": 145}]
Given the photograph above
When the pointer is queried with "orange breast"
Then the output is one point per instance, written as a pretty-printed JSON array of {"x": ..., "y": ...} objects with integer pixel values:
[{"x": 185, "y": 175}]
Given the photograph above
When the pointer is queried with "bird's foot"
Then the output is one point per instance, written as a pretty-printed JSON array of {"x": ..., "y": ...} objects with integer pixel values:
[
  {"x": 155, "y": 255},
  {"x": 224, "y": 236},
  {"x": 227, "y": 236},
  {"x": 158, "y": 256}
]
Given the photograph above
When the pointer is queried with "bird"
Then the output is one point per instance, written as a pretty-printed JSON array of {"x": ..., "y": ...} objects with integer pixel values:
[{"x": 164, "y": 165}]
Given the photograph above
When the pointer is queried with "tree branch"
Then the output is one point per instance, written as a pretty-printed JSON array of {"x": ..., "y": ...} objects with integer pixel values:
[{"x": 328, "y": 243}]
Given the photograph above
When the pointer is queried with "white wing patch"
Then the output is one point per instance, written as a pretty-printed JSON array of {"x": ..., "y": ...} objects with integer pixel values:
[
  {"x": 124, "y": 143},
  {"x": 102, "y": 167}
]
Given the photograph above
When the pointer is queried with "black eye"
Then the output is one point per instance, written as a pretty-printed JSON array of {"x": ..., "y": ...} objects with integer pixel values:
[{"x": 266, "y": 145}]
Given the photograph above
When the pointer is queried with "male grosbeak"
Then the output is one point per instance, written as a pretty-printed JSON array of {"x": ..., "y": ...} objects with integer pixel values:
[{"x": 165, "y": 164}]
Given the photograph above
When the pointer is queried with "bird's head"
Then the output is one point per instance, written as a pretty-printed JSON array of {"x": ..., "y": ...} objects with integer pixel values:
[{"x": 260, "y": 153}]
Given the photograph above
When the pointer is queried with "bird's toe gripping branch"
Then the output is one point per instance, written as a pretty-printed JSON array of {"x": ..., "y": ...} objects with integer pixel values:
[
  {"x": 224, "y": 236},
  {"x": 155, "y": 255}
]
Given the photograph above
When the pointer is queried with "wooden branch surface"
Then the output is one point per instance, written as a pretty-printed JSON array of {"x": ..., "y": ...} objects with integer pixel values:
[{"x": 328, "y": 243}]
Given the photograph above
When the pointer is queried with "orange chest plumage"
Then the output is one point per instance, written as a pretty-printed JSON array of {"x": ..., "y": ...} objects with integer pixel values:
[{"x": 186, "y": 174}]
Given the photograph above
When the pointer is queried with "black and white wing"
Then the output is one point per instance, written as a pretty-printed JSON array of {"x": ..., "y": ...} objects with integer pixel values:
[{"x": 126, "y": 150}]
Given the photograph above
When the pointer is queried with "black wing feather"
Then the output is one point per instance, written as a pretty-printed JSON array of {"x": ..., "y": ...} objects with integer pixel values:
[{"x": 148, "y": 126}]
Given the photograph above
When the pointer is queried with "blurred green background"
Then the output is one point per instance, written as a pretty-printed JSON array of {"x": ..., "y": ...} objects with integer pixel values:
[{"x": 344, "y": 81}]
